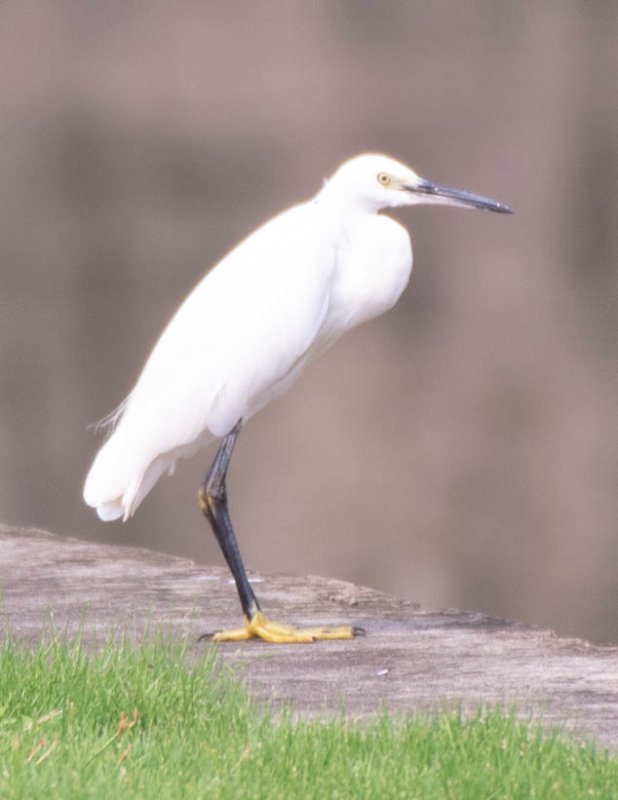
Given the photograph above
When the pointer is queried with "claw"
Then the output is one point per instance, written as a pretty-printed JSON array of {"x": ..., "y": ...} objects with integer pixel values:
[{"x": 276, "y": 633}]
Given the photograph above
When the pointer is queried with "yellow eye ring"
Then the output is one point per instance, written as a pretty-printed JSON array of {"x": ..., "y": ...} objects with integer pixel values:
[{"x": 384, "y": 179}]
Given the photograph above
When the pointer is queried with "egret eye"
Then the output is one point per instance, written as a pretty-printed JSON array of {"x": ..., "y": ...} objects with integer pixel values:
[{"x": 384, "y": 178}]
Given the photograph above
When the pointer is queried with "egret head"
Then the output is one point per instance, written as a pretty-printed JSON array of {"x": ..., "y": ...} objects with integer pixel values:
[{"x": 376, "y": 181}]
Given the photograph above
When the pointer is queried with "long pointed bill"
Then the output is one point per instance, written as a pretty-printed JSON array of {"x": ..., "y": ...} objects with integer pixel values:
[{"x": 443, "y": 195}]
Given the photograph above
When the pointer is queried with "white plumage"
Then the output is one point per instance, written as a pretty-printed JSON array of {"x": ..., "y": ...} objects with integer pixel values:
[{"x": 278, "y": 299}]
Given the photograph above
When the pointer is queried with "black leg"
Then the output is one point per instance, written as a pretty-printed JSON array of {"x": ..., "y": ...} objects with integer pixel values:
[{"x": 213, "y": 502}]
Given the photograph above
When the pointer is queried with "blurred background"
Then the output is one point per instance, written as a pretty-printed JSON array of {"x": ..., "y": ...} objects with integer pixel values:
[{"x": 460, "y": 451}]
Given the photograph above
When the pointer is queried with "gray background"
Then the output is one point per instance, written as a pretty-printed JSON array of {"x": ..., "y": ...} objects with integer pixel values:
[{"x": 460, "y": 451}]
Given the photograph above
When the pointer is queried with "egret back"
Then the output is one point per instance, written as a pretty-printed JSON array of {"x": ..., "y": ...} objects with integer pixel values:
[{"x": 225, "y": 353}]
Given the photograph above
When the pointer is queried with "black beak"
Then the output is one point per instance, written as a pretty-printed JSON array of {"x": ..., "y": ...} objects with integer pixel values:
[{"x": 456, "y": 197}]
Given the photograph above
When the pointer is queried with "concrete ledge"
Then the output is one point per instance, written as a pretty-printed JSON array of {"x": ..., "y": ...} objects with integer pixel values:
[{"x": 410, "y": 660}]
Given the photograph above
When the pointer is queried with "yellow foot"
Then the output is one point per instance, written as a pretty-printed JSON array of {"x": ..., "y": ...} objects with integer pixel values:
[{"x": 259, "y": 627}]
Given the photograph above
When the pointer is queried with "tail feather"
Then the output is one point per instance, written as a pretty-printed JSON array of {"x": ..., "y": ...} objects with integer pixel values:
[
  {"x": 130, "y": 462},
  {"x": 116, "y": 484},
  {"x": 110, "y": 511}
]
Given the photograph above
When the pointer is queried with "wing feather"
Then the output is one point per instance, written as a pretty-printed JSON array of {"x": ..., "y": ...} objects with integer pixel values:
[{"x": 231, "y": 346}]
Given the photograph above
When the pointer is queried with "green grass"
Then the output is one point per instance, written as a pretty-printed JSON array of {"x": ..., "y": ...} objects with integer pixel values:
[{"x": 148, "y": 721}]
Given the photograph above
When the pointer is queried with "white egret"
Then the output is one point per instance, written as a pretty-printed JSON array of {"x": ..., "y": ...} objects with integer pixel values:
[{"x": 276, "y": 301}]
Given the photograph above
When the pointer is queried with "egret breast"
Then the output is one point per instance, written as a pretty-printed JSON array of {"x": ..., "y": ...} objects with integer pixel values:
[{"x": 373, "y": 268}]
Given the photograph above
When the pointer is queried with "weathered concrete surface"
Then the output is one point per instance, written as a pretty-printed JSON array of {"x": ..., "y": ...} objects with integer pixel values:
[{"x": 409, "y": 660}]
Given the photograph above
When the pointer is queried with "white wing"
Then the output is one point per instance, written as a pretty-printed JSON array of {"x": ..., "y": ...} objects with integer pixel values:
[{"x": 226, "y": 352}]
